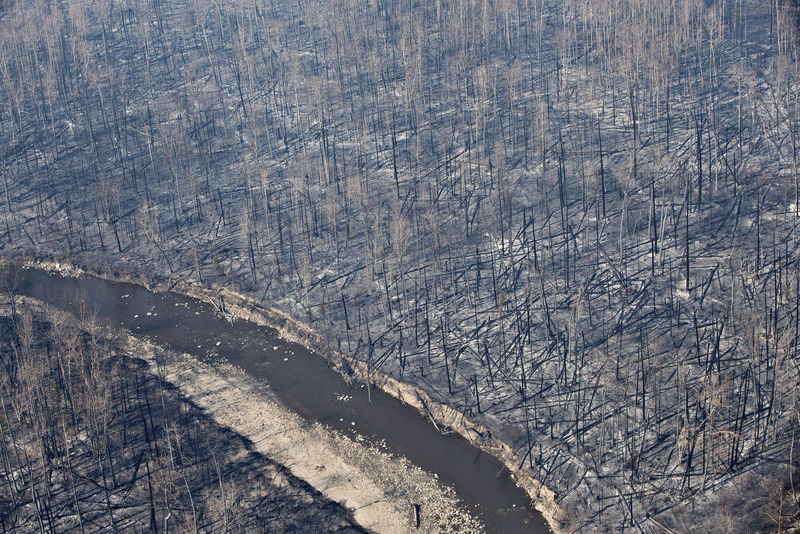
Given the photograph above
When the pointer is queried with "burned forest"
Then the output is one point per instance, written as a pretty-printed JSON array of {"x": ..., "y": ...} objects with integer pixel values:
[{"x": 576, "y": 222}]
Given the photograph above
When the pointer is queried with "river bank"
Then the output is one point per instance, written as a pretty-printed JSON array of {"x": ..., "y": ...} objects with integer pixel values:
[
  {"x": 96, "y": 438},
  {"x": 234, "y": 306},
  {"x": 378, "y": 488}
]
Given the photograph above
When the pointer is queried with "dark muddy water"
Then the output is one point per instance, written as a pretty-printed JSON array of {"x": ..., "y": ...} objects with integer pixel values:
[{"x": 305, "y": 383}]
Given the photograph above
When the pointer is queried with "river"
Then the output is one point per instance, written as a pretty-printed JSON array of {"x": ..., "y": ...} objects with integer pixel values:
[{"x": 305, "y": 383}]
